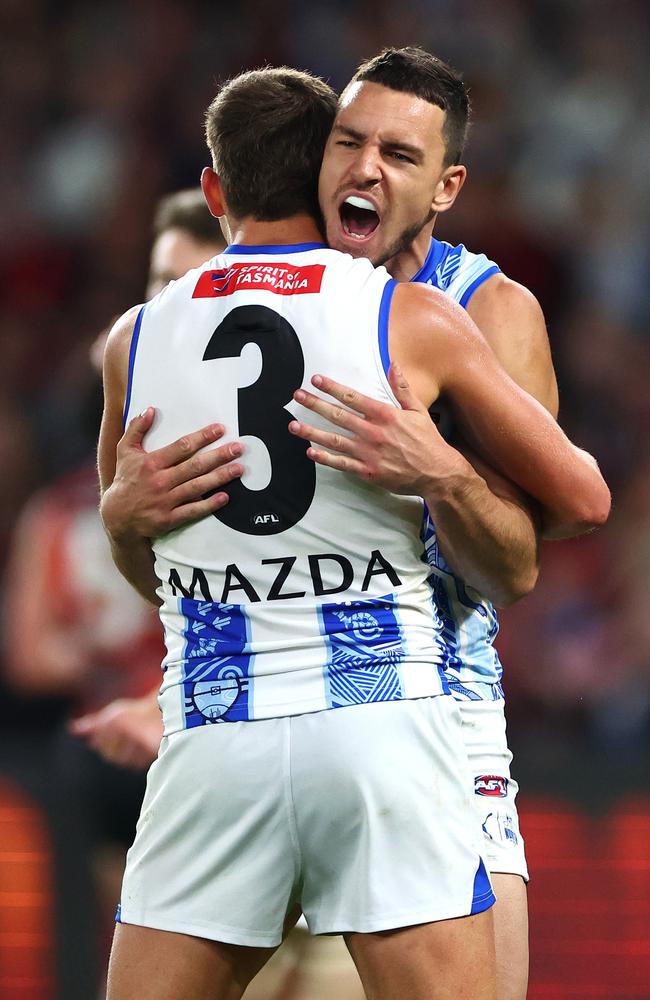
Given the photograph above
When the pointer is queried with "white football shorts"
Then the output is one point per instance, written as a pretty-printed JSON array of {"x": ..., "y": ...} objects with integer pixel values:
[
  {"x": 484, "y": 736},
  {"x": 363, "y": 815}
]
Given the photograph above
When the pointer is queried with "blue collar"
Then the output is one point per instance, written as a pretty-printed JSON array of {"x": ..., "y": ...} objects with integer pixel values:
[{"x": 277, "y": 249}]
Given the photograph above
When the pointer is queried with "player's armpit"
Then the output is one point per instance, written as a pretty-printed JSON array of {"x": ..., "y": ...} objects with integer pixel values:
[{"x": 442, "y": 350}]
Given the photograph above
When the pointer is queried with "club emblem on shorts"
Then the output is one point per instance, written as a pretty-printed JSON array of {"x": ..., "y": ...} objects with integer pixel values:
[
  {"x": 213, "y": 698},
  {"x": 491, "y": 784},
  {"x": 500, "y": 828}
]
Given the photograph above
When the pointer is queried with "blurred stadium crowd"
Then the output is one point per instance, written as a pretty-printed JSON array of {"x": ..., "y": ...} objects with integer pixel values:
[{"x": 103, "y": 115}]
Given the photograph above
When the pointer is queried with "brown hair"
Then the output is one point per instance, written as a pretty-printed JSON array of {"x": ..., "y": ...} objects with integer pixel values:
[
  {"x": 413, "y": 70},
  {"x": 188, "y": 210},
  {"x": 267, "y": 130}
]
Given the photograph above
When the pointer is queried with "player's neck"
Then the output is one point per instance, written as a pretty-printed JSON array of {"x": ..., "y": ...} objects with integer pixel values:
[
  {"x": 286, "y": 232},
  {"x": 406, "y": 264}
]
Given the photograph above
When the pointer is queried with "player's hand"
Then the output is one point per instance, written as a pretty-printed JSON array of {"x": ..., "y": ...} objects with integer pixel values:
[
  {"x": 397, "y": 449},
  {"x": 127, "y": 732},
  {"x": 154, "y": 492}
]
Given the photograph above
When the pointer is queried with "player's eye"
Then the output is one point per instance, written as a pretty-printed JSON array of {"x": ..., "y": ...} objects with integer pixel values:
[
  {"x": 347, "y": 143},
  {"x": 400, "y": 157}
]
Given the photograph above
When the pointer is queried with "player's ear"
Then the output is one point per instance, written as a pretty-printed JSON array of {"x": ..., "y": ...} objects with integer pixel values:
[
  {"x": 213, "y": 192},
  {"x": 448, "y": 187}
]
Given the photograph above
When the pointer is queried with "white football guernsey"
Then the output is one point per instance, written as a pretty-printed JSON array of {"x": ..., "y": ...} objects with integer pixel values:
[
  {"x": 469, "y": 621},
  {"x": 309, "y": 590}
]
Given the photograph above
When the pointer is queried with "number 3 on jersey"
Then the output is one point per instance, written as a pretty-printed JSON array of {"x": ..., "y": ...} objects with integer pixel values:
[{"x": 262, "y": 414}]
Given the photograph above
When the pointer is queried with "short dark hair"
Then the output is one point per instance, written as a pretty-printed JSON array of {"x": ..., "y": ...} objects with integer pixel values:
[
  {"x": 267, "y": 130},
  {"x": 413, "y": 70},
  {"x": 187, "y": 210}
]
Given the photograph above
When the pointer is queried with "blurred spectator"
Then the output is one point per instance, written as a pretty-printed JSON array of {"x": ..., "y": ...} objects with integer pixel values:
[{"x": 74, "y": 629}]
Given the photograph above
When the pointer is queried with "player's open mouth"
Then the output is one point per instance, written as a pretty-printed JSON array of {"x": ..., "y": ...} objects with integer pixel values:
[{"x": 359, "y": 217}]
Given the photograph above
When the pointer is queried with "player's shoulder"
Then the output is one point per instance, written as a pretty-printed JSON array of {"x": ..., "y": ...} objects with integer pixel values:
[
  {"x": 122, "y": 335},
  {"x": 421, "y": 299},
  {"x": 502, "y": 293},
  {"x": 355, "y": 265},
  {"x": 454, "y": 269},
  {"x": 425, "y": 318},
  {"x": 506, "y": 310},
  {"x": 122, "y": 329}
]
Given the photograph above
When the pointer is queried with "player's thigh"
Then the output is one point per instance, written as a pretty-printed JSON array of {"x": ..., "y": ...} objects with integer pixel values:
[
  {"x": 445, "y": 960},
  {"x": 149, "y": 964},
  {"x": 511, "y": 936}
]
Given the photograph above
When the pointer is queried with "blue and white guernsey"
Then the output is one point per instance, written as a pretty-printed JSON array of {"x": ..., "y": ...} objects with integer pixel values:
[
  {"x": 469, "y": 621},
  {"x": 309, "y": 590}
]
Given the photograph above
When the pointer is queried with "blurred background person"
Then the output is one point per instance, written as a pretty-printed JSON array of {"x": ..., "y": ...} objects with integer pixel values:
[
  {"x": 101, "y": 121},
  {"x": 74, "y": 629}
]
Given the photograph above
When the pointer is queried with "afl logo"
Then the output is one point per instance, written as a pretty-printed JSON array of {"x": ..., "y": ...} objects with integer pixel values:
[
  {"x": 213, "y": 698},
  {"x": 491, "y": 784},
  {"x": 266, "y": 519}
]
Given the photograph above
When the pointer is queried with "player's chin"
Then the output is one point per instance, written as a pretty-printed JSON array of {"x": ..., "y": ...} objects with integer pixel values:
[{"x": 357, "y": 246}]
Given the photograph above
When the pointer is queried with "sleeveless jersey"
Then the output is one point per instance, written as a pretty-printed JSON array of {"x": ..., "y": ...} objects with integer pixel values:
[
  {"x": 310, "y": 589},
  {"x": 469, "y": 621}
]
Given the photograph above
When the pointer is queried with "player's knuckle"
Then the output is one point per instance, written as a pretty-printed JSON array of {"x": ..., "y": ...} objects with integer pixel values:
[
  {"x": 184, "y": 444},
  {"x": 166, "y": 521}
]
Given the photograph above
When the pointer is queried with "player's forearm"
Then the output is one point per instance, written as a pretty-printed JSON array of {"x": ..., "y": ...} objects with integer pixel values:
[
  {"x": 490, "y": 542},
  {"x": 517, "y": 436},
  {"x": 133, "y": 557},
  {"x": 553, "y": 525}
]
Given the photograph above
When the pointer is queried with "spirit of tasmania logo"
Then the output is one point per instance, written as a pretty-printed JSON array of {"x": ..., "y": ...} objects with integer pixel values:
[{"x": 282, "y": 279}]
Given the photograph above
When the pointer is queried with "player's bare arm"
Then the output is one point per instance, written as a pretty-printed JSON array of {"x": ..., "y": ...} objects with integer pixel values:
[
  {"x": 146, "y": 494},
  {"x": 488, "y": 529},
  {"x": 511, "y": 320},
  {"x": 442, "y": 351}
]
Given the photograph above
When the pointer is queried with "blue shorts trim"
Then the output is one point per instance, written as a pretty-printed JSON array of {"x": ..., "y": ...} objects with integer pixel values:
[{"x": 483, "y": 896}]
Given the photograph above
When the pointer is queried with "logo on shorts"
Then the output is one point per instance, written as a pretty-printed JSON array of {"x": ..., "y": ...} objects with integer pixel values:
[
  {"x": 491, "y": 784},
  {"x": 500, "y": 828}
]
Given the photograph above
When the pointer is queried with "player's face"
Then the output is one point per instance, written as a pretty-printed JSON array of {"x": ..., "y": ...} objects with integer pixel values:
[
  {"x": 173, "y": 254},
  {"x": 382, "y": 171}
]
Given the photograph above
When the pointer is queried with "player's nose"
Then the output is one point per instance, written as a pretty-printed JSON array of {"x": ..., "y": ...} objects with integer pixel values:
[{"x": 366, "y": 167}]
